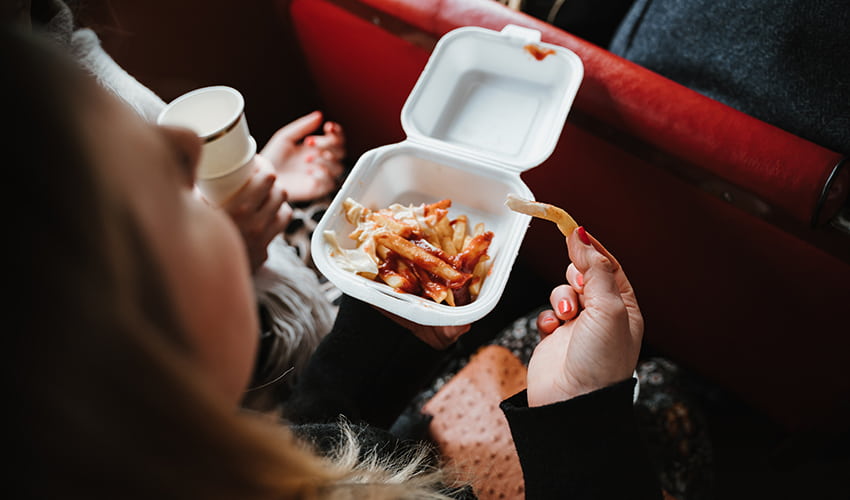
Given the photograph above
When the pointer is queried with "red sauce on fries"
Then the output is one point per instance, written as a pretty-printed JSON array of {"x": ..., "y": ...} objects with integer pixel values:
[{"x": 420, "y": 250}]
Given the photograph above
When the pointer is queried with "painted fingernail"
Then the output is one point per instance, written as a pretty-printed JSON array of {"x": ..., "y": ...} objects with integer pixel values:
[
  {"x": 564, "y": 306},
  {"x": 582, "y": 235},
  {"x": 309, "y": 158},
  {"x": 310, "y": 141},
  {"x": 580, "y": 279}
]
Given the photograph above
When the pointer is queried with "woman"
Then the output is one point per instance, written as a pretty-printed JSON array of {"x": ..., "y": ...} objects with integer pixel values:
[
  {"x": 141, "y": 338},
  {"x": 300, "y": 164}
]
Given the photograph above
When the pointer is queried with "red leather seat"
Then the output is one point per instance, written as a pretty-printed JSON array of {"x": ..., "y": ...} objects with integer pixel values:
[{"x": 717, "y": 217}]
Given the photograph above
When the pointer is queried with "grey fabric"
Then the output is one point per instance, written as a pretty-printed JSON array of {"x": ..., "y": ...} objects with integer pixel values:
[{"x": 786, "y": 62}]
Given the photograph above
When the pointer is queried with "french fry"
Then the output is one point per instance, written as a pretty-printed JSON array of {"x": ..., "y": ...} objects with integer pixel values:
[
  {"x": 474, "y": 287},
  {"x": 462, "y": 297},
  {"x": 354, "y": 212},
  {"x": 468, "y": 258},
  {"x": 440, "y": 205},
  {"x": 428, "y": 227},
  {"x": 390, "y": 223},
  {"x": 459, "y": 227},
  {"x": 446, "y": 236},
  {"x": 396, "y": 280},
  {"x": 382, "y": 252},
  {"x": 478, "y": 275},
  {"x": 432, "y": 288},
  {"x": 566, "y": 224},
  {"x": 422, "y": 258}
]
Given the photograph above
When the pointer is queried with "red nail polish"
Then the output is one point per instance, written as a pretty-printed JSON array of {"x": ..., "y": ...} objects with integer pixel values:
[
  {"x": 310, "y": 141},
  {"x": 564, "y": 306},
  {"x": 582, "y": 235},
  {"x": 309, "y": 159},
  {"x": 580, "y": 279}
]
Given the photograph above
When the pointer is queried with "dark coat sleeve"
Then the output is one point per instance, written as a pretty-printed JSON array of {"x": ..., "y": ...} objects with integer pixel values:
[
  {"x": 586, "y": 447},
  {"x": 367, "y": 368}
]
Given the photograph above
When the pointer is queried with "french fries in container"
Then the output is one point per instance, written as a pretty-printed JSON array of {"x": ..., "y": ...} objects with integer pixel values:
[{"x": 485, "y": 108}]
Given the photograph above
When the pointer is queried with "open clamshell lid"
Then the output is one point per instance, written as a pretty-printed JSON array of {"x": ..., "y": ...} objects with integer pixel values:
[{"x": 502, "y": 96}]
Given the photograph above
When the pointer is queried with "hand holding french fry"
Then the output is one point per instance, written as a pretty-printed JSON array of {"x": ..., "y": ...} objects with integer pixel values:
[{"x": 592, "y": 335}]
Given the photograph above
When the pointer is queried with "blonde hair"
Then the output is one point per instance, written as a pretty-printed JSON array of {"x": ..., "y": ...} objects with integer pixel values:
[
  {"x": 106, "y": 400},
  {"x": 405, "y": 474}
]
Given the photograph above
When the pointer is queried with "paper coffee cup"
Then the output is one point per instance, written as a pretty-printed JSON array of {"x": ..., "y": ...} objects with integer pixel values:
[
  {"x": 218, "y": 189},
  {"x": 217, "y": 115}
]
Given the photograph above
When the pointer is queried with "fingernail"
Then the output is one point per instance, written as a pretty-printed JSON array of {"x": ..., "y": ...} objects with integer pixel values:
[
  {"x": 551, "y": 321},
  {"x": 582, "y": 235},
  {"x": 564, "y": 306},
  {"x": 580, "y": 279},
  {"x": 309, "y": 159},
  {"x": 310, "y": 141}
]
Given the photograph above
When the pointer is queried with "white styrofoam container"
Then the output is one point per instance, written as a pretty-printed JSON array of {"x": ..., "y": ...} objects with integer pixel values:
[{"x": 483, "y": 111}]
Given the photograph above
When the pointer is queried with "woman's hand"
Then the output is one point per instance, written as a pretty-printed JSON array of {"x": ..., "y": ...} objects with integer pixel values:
[
  {"x": 438, "y": 337},
  {"x": 259, "y": 210},
  {"x": 307, "y": 165},
  {"x": 592, "y": 335}
]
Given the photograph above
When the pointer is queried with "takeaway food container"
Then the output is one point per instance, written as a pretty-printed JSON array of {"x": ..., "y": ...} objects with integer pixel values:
[{"x": 488, "y": 106}]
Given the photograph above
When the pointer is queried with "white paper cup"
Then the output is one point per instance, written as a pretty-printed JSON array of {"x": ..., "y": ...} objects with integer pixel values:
[
  {"x": 218, "y": 189},
  {"x": 217, "y": 115}
]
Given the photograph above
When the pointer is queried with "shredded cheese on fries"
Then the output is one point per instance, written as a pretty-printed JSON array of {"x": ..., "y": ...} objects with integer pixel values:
[{"x": 416, "y": 249}]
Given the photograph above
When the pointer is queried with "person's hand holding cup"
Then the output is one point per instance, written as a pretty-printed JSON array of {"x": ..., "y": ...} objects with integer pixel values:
[{"x": 230, "y": 174}]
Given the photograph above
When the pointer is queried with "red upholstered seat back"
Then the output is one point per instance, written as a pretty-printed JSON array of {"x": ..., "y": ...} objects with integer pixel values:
[{"x": 708, "y": 209}]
